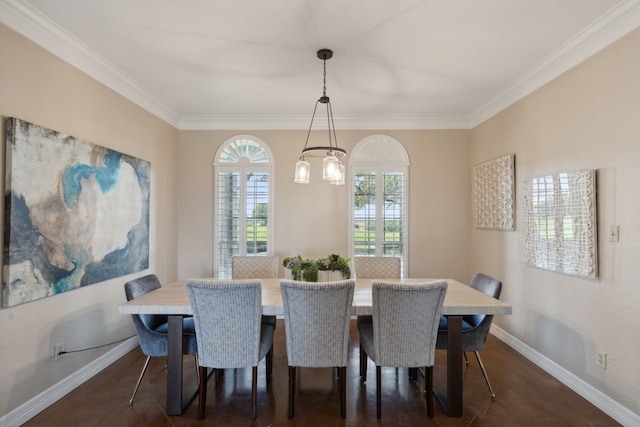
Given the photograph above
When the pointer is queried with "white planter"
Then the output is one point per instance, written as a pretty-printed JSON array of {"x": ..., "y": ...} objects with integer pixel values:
[{"x": 329, "y": 276}]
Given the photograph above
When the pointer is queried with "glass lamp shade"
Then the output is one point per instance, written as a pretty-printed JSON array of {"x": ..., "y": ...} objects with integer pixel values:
[
  {"x": 338, "y": 176},
  {"x": 330, "y": 165},
  {"x": 303, "y": 169}
]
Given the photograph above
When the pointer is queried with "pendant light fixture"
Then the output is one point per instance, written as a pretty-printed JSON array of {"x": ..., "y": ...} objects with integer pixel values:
[{"x": 332, "y": 167}]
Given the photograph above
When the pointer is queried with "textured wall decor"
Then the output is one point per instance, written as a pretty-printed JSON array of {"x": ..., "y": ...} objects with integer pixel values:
[
  {"x": 75, "y": 213},
  {"x": 494, "y": 193},
  {"x": 560, "y": 227}
]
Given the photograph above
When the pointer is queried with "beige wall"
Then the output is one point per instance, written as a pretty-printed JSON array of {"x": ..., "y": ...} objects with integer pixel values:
[
  {"x": 312, "y": 220},
  {"x": 39, "y": 88},
  {"x": 587, "y": 118}
]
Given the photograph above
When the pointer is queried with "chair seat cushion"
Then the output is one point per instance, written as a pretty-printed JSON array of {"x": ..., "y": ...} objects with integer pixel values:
[
  {"x": 362, "y": 319},
  {"x": 366, "y": 340},
  {"x": 266, "y": 339},
  {"x": 188, "y": 326},
  {"x": 444, "y": 324}
]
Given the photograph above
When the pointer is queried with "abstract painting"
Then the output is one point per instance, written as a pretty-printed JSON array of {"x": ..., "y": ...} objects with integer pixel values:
[{"x": 75, "y": 213}]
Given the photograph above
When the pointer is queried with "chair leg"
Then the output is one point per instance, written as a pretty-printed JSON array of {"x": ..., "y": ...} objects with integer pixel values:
[
  {"x": 269, "y": 365},
  {"x": 254, "y": 393},
  {"x": 363, "y": 363},
  {"x": 413, "y": 374},
  {"x": 202, "y": 392},
  {"x": 428, "y": 378},
  {"x": 197, "y": 370},
  {"x": 378, "y": 392},
  {"x": 135, "y": 390},
  {"x": 466, "y": 361},
  {"x": 343, "y": 392},
  {"x": 292, "y": 390},
  {"x": 486, "y": 378}
]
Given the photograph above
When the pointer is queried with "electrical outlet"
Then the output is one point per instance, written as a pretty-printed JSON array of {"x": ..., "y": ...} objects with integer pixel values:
[
  {"x": 602, "y": 359},
  {"x": 57, "y": 349}
]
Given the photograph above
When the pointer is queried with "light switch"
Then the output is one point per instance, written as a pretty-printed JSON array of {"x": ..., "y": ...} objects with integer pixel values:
[{"x": 614, "y": 233}]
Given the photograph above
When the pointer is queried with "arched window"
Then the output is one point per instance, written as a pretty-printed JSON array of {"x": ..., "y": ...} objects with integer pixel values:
[
  {"x": 243, "y": 172},
  {"x": 379, "y": 167}
]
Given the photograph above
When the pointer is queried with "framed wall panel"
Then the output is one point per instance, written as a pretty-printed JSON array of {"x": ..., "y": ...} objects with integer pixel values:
[
  {"x": 560, "y": 224},
  {"x": 494, "y": 193}
]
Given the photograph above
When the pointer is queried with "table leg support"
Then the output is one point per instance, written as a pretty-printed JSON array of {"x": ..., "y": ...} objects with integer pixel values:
[
  {"x": 454, "y": 366},
  {"x": 174, "y": 366}
]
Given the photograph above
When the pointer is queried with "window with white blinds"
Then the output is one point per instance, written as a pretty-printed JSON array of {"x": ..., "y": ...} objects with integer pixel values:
[
  {"x": 242, "y": 223},
  {"x": 379, "y": 168},
  {"x": 378, "y": 214}
]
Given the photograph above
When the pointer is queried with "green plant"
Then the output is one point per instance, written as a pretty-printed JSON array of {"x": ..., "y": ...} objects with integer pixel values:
[
  {"x": 290, "y": 262},
  {"x": 335, "y": 262},
  {"x": 302, "y": 269}
]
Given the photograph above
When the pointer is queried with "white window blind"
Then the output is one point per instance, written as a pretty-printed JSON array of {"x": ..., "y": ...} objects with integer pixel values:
[{"x": 242, "y": 213}]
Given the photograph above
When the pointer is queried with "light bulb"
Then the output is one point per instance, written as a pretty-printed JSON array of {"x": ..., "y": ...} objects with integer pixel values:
[
  {"x": 303, "y": 169},
  {"x": 330, "y": 165}
]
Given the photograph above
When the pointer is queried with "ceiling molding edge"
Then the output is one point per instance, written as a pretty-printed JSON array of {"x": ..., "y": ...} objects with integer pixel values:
[
  {"x": 341, "y": 122},
  {"x": 38, "y": 28},
  {"x": 608, "y": 29}
]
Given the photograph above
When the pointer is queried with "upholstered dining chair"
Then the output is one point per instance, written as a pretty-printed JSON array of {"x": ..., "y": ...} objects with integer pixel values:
[
  {"x": 404, "y": 330},
  {"x": 256, "y": 267},
  {"x": 374, "y": 267},
  {"x": 152, "y": 329},
  {"x": 475, "y": 329},
  {"x": 377, "y": 267},
  {"x": 316, "y": 318},
  {"x": 229, "y": 331}
]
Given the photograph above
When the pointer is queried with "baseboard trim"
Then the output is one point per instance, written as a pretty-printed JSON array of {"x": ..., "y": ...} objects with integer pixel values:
[
  {"x": 42, "y": 401},
  {"x": 615, "y": 410}
]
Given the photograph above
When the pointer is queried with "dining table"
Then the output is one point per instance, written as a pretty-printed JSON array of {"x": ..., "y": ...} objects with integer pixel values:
[{"x": 460, "y": 300}]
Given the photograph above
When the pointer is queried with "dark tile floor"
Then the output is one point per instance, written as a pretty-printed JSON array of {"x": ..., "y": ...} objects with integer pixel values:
[{"x": 526, "y": 396}]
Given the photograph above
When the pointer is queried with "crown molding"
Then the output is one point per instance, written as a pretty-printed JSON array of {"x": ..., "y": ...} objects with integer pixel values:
[
  {"x": 342, "y": 122},
  {"x": 609, "y": 28},
  {"x": 29, "y": 22}
]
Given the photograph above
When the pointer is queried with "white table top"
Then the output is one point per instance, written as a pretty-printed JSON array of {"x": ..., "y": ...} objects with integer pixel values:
[{"x": 460, "y": 299}]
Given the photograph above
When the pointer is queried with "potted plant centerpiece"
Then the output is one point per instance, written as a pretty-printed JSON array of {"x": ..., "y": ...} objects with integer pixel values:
[
  {"x": 333, "y": 268},
  {"x": 297, "y": 268}
]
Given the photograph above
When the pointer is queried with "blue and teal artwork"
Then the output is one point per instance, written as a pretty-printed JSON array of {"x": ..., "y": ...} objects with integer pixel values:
[{"x": 75, "y": 213}]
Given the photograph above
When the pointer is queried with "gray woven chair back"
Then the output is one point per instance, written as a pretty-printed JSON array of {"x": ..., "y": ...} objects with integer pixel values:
[
  {"x": 254, "y": 267},
  {"x": 140, "y": 286},
  {"x": 377, "y": 267},
  {"x": 221, "y": 306},
  {"x": 405, "y": 322},
  {"x": 317, "y": 322}
]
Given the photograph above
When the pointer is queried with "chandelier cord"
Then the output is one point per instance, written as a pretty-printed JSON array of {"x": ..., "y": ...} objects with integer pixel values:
[
  {"x": 310, "y": 126},
  {"x": 324, "y": 78}
]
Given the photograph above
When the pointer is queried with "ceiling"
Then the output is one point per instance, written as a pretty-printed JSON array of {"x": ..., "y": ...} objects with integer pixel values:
[{"x": 234, "y": 64}]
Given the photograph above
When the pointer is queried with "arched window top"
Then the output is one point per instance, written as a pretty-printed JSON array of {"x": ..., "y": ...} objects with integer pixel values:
[
  {"x": 243, "y": 149},
  {"x": 379, "y": 150}
]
